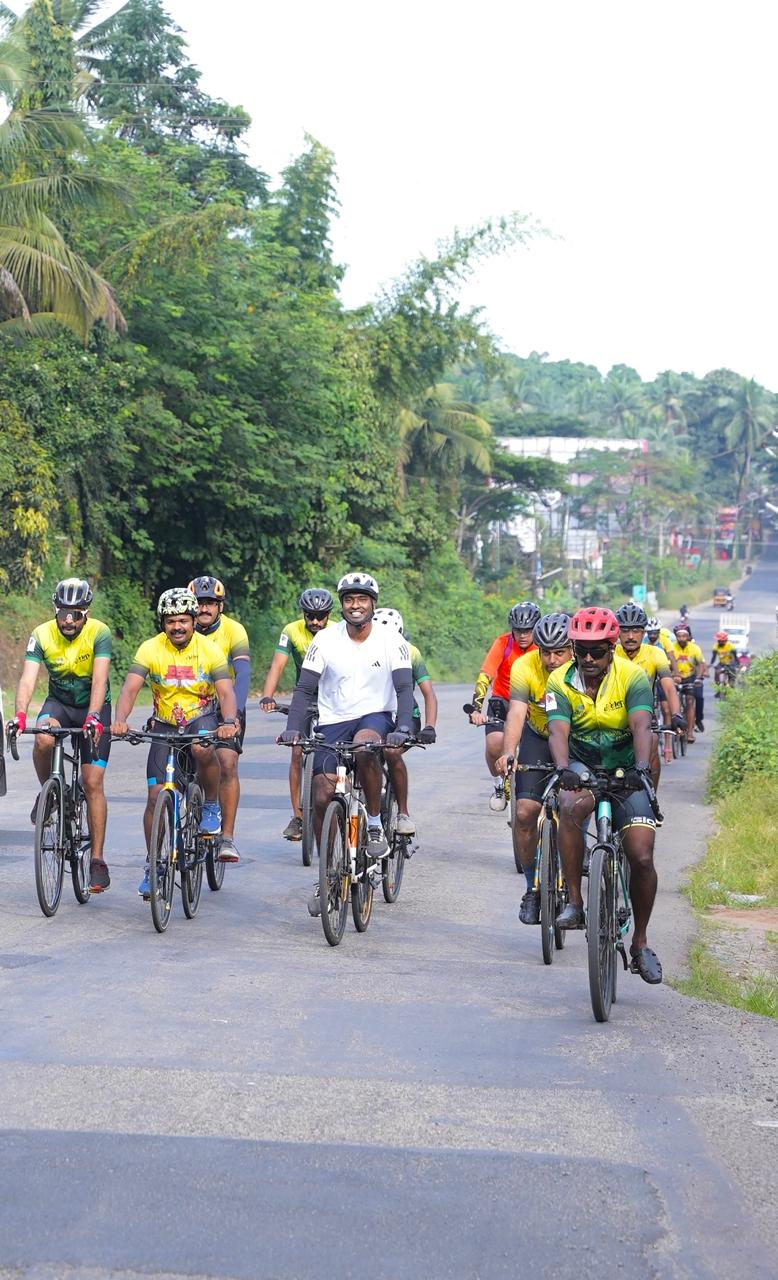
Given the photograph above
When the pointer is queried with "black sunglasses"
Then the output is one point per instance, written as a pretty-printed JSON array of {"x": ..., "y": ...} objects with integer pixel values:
[
  {"x": 595, "y": 651},
  {"x": 317, "y": 617}
]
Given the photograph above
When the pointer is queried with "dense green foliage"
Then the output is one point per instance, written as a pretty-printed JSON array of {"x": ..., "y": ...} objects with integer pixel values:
[{"x": 748, "y": 743}]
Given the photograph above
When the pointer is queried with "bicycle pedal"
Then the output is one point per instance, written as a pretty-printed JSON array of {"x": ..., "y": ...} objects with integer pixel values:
[
  {"x": 374, "y": 880},
  {"x": 622, "y": 952}
]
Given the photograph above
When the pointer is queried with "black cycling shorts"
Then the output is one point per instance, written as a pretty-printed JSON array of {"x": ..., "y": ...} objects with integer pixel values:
[
  {"x": 73, "y": 718},
  {"x": 533, "y": 749},
  {"x": 324, "y": 761},
  {"x": 157, "y": 757},
  {"x": 233, "y": 744},
  {"x": 496, "y": 711}
]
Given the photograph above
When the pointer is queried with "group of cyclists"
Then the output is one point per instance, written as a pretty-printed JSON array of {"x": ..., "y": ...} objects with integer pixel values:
[{"x": 568, "y": 694}]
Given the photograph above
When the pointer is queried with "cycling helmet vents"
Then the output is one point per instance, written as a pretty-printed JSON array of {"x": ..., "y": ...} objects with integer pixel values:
[
  {"x": 176, "y": 600},
  {"x": 358, "y": 582},
  {"x": 316, "y": 600},
  {"x": 721, "y": 636},
  {"x": 389, "y": 618},
  {"x": 594, "y": 624},
  {"x": 631, "y": 615},
  {"x": 551, "y": 631},
  {"x": 72, "y": 593},
  {"x": 207, "y": 588},
  {"x": 523, "y": 616},
  {"x": 653, "y": 624}
]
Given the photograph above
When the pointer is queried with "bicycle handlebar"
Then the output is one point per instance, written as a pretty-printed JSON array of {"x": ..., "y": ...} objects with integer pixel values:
[
  {"x": 52, "y": 731},
  {"x": 136, "y": 736},
  {"x": 601, "y": 782}
]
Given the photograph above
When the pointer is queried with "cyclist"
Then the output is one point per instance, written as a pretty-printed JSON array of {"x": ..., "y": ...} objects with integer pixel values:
[
  {"x": 398, "y": 774},
  {"x": 723, "y": 659},
  {"x": 316, "y": 605},
  {"x": 361, "y": 675},
  {"x": 76, "y": 651},
  {"x": 189, "y": 677},
  {"x": 231, "y": 638},
  {"x": 526, "y": 728},
  {"x": 599, "y": 717},
  {"x": 691, "y": 668},
  {"x": 652, "y": 659},
  {"x": 661, "y": 636},
  {"x": 496, "y": 671}
]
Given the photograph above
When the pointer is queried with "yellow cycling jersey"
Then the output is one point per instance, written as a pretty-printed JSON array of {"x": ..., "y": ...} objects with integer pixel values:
[
  {"x": 726, "y": 653},
  {"x": 182, "y": 680},
  {"x": 70, "y": 662},
  {"x": 600, "y": 734},
  {"x": 685, "y": 658},
  {"x": 230, "y": 636},
  {"x": 295, "y": 640},
  {"x": 528, "y": 682},
  {"x": 650, "y": 659}
]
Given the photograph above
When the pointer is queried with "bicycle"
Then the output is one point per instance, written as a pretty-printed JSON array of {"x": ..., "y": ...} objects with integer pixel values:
[
  {"x": 176, "y": 843},
  {"x": 726, "y": 680},
  {"x": 307, "y": 840},
  {"x": 549, "y": 878},
  {"x": 61, "y": 829},
  {"x": 401, "y": 848}
]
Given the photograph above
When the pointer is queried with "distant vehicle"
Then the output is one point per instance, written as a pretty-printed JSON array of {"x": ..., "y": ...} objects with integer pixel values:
[
  {"x": 723, "y": 598},
  {"x": 738, "y": 628}
]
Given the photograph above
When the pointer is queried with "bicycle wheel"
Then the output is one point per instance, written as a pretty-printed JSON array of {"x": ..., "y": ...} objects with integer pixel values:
[
  {"x": 362, "y": 890},
  {"x": 512, "y": 825},
  {"x": 393, "y": 865},
  {"x": 214, "y": 870},
  {"x": 676, "y": 745},
  {"x": 334, "y": 875},
  {"x": 681, "y": 742},
  {"x": 547, "y": 885},
  {"x": 308, "y": 840},
  {"x": 191, "y": 852},
  {"x": 162, "y": 862},
  {"x": 80, "y": 850},
  {"x": 601, "y": 932},
  {"x": 49, "y": 846}
]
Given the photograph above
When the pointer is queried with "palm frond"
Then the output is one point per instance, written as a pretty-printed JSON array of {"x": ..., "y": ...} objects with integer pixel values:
[
  {"x": 55, "y": 280},
  {"x": 29, "y": 134},
  {"x": 22, "y": 201}
]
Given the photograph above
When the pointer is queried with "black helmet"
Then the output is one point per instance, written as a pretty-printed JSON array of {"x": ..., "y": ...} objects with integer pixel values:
[
  {"x": 207, "y": 588},
  {"x": 631, "y": 615},
  {"x": 72, "y": 593},
  {"x": 316, "y": 600},
  {"x": 551, "y": 631},
  {"x": 523, "y": 616}
]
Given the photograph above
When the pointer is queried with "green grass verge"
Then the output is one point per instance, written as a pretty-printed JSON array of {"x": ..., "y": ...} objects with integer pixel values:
[
  {"x": 709, "y": 981},
  {"x": 741, "y": 856}
]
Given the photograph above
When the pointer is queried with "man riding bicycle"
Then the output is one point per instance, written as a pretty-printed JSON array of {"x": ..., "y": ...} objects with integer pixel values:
[
  {"x": 526, "y": 728},
  {"x": 189, "y": 677},
  {"x": 723, "y": 660},
  {"x": 361, "y": 676},
  {"x": 496, "y": 671},
  {"x": 653, "y": 661},
  {"x": 295, "y": 640},
  {"x": 231, "y": 637},
  {"x": 76, "y": 651},
  {"x": 398, "y": 774},
  {"x": 599, "y": 717},
  {"x": 690, "y": 664}
]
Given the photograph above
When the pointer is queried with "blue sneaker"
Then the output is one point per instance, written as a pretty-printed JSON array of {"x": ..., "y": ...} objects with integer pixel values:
[
  {"x": 144, "y": 888},
  {"x": 211, "y": 821}
]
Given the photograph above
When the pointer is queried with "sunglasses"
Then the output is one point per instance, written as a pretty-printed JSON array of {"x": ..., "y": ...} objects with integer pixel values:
[
  {"x": 595, "y": 651},
  {"x": 316, "y": 617},
  {"x": 75, "y": 614}
]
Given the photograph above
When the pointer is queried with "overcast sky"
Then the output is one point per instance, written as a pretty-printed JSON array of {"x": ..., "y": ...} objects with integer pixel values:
[{"x": 642, "y": 135}]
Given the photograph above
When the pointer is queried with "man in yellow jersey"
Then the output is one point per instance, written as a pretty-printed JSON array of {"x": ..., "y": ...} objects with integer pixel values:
[
  {"x": 526, "y": 727},
  {"x": 691, "y": 668},
  {"x": 231, "y": 638},
  {"x": 398, "y": 773},
  {"x": 189, "y": 679},
  {"x": 653, "y": 660},
  {"x": 76, "y": 651},
  {"x": 723, "y": 660},
  {"x": 294, "y": 641},
  {"x": 599, "y": 717}
]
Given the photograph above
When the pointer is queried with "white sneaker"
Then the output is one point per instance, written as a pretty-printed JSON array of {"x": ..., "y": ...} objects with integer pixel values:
[
  {"x": 405, "y": 826},
  {"x": 498, "y": 800}
]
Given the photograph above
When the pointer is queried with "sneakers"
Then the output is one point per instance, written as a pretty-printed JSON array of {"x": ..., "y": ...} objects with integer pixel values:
[
  {"x": 498, "y": 799},
  {"x": 293, "y": 829},
  {"x": 34, "y": 811},
  {"x": 404, "y": 825},
  {"x": 144, "y": 888},
  {"x": 211, "y": 821},
  {"x": 227, "y": 850},
  {"x": 699, "y": 726},
  {"x": 314, "y": 905},
  {"x": 529, "y": 911},
  {"x": 376, "y": 842}
]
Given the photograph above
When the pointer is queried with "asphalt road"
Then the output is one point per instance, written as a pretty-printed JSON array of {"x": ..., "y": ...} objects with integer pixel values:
[{"x": 237, "y": 1099}]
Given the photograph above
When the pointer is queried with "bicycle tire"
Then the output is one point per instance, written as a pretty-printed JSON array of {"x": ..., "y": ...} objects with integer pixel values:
[
  {"x": 547, "y": 886},
  {"x": 601, "y": 932},
  {"x": 191, "y": 853},
  {"x": 393, "y": 865},
  {"x": 306, "y": 801},
  {"x": 681, "y": 743},
  {"x": 214, "y": 869},
  {"x": 362, "y": 890},
  {"x": 512, "y": 825},
  {"x": 49, "y": 846},
  {"x": 162, "y": 862},
  {"x": 676, "y": 745},
  {"x": 334, "y": 873},
  {"x": 80, "y": 851}
]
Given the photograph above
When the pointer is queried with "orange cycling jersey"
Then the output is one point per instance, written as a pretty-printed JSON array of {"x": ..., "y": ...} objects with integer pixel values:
[{"x": 496, "y": 666}]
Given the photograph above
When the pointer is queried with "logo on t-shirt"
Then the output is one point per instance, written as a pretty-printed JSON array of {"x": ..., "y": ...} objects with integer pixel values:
[
  {"x": 550, "y": 701},
  {"x": 180, "y": 673},
  {"x": 283, "y": 641},
  {"x": 376, "y": 663},
  {"x": 31, "y": 644}
]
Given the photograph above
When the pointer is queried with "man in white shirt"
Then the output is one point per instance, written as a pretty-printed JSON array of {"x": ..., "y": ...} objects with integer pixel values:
[{"x": 361, "y": 676}]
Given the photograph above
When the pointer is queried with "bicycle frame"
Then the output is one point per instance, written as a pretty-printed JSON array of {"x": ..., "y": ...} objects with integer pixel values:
[{"x": 612, "y": 842}]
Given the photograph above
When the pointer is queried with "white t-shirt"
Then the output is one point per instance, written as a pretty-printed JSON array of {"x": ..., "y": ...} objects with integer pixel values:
[{"x": 356, "y": 678}]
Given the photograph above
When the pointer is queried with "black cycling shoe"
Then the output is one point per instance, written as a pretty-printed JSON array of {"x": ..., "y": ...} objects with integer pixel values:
[
  {"x": 571, "y": 917},
  {"x": 645, "y": 962},
  {"x": 529, "y": 911}
]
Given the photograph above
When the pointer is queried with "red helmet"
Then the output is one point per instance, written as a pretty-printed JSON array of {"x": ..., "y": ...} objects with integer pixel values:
[
  {"x": 721, "y": 636},
  {"x": 594, "y": 624}
]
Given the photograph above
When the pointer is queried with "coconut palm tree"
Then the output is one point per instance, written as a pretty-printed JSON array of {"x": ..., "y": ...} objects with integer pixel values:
[{"x": 439, "y": 434}]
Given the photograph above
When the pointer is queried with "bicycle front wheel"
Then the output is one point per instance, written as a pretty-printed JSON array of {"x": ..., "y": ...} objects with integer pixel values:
[
  {"x": 191, "y": 853},
  {"x": 307, "y": 808},
  {"x": 80, "y": 851},
  {"x": 162, "y": 862},
  {"x": 547, "y": 876},
  {"x": 49, "y": 846},
  {"x": 362, "y": 891},
  {"x": 601, "y": 932},
  {"x": 513, "y": 827},
  {"x": 334, "y": 874}
]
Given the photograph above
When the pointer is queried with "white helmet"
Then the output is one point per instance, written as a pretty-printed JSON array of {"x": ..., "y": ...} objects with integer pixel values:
[
  {"x": 390, "y": 618},
  {"x": 358, "y": 582}
]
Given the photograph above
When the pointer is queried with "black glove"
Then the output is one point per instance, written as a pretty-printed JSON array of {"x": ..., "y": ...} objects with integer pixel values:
[
  {"x": 569, "y": 780},
  {"x": 428, "y": 735},
  {"x": 288, "y": 738},
  {"x": 398, "y": 738},
  {"x": 267, "y": 702},
  {"x": 678, "y": 721},
  {"x": 635, "y": 777}
]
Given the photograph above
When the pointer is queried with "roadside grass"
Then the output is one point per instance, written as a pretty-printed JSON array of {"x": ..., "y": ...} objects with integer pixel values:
[
  {"x": 742, "y": 856},
  {"x": 709, "y": 981}
]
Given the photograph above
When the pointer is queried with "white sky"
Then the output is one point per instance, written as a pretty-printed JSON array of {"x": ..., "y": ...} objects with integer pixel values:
[{"x": 641, "y": 134}]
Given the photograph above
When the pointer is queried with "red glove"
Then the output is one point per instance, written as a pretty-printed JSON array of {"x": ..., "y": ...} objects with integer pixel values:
[
  {"x": 92, "y": 725},
  {"x": 20, "y": 720}
]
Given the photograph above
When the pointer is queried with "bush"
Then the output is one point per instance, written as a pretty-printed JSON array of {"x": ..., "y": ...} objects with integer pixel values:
[{"x": 748, "y": 743}]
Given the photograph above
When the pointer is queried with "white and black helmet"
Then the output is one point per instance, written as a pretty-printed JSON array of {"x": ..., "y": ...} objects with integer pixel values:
[
  {"x": 316, "y": 600},
  {"x": 72, "y": 593},
  {"x": 176, "y": 600},
  {"x": 390, "y": 618},
  {"x": 551, "y": 631},
  {"x": 361, "y": 582},
  {"x": 523, "y": 616},
  {"x": 653, "y": 624}
]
